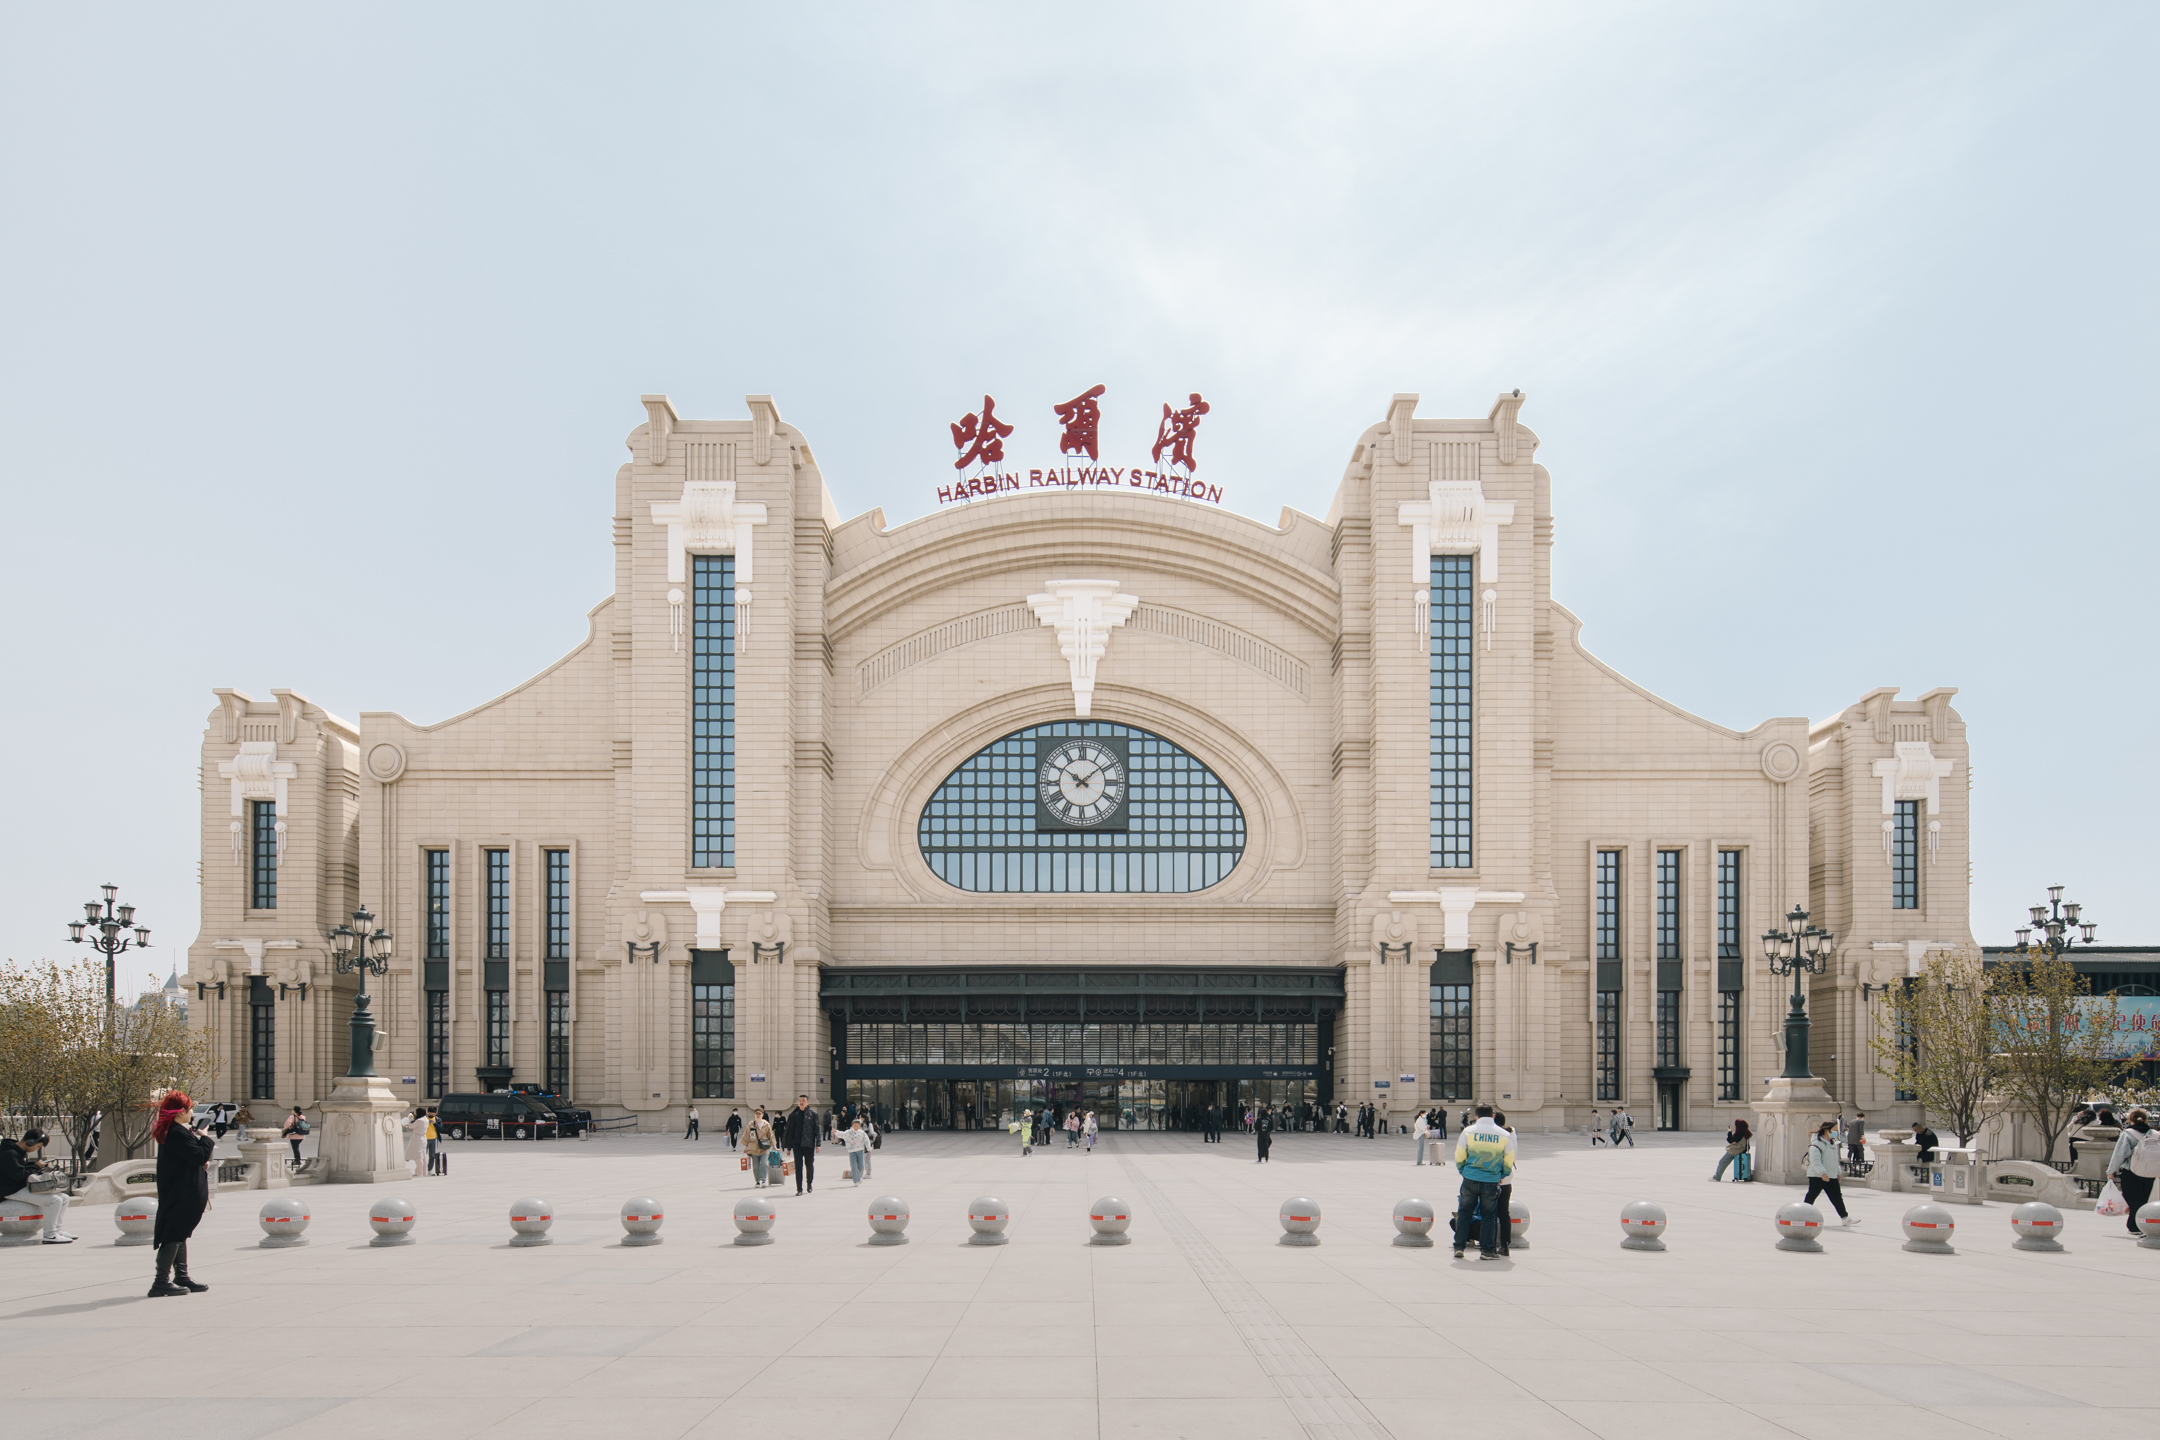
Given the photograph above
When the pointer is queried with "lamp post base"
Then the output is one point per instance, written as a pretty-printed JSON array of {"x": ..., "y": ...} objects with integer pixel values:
[
  {"x": 361, "y": 1142},
  {"x": 1786, "y": 1116}
]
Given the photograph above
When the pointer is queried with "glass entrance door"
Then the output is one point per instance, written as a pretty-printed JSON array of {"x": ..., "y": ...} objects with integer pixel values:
[{"x": 1668, "y": 1105}]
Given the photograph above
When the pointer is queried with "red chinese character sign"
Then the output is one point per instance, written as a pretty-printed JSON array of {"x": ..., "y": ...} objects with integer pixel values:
[
  {"x": 980, "y": 437},
  {"x": 1177, "y": 430},
  {"x": 1080, "y": 416}
]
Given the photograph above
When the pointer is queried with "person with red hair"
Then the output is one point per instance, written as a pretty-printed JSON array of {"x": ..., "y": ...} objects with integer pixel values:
[{"x": 183, "y": 1190}]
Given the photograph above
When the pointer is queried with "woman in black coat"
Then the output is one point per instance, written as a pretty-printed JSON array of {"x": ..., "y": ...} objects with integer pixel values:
[{"x": 183, "y": 1191}]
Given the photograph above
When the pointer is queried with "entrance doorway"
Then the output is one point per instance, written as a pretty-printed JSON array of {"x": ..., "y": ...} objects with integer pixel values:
[{"x": 1668, "y": 1104}]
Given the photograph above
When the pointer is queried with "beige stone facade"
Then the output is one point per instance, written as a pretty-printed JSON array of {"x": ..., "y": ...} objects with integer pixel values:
[{"x": 1295, "y": 662}]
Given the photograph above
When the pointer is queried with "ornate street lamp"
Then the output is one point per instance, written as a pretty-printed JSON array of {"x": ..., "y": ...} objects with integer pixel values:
[
  {"x": 2054, "y": 920},
  {"x": 359, "y": 947},
  {"x": 1802, "y": 950},
  {"x": 109, "y": 920}
]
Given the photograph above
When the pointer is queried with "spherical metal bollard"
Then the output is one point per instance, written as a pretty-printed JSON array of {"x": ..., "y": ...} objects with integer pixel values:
[
  {"x": 987, "y": 1217},
  {"x": 2039, "y": 1226},
  {"x": 137, "y": 1220},
  {"x": 21, "y": 1221},
  {"x": 1928, "y": 1228},
  {"x": 392, "y": 1220},
  {"x": 284, "y": 1224},
  {"x": 1300, "y": 1216},
  {"x": 641, "y": 1221},
  {"x": 1518, "y": 1224},
  {"x": 531, "y": 1218},
  {"x": 2148, "y": 1222},
  {"x": 888, "y": 1220},
  {"x": 1641, "y": 1223},
  {"x": 1413, "y": 1224},
  {"x": 1111, "y": 1218},
  {"x": 1797, "y": 1228},
  {"x": 754, "y": 1219}
]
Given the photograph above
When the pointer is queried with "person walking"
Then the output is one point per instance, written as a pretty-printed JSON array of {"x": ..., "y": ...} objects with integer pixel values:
[
  {"x": 1088, "y": 1129},
  {"x": 1623, "y": 1128},
  {"x": 1597, "y": 1130},
  {"x": 804, "y": 1130},
  {"x": 1025, "y": 1128},
  {"x": 758, "y": 1144},
  {"x": 858, "y": 1151},
  {"x": 415, "y": 1128},
  {"x": 1212, "y": 1135},
  {"x": 1263, "y": 1135},
  {"x": 690, "y": 1131},
  {"x": 437, "y": 1162},
  {"x": 1420, "y": 1128},
  {"x": 734, "y": 1127},
  {"x": 1856, "y": 1139},
  {"x": 2135, "y": 1163},
  {"x": 1072, "y": 1129},
  {"x": 183, "y": 1191},
  {"x": 1484, "y": 1157},
  {"x": 295, "y": 1129},
  {"x": 23, "y": 1160},
  {"x": 1738, "y": 1140},
  {"x": 1822, "y": 1170}
]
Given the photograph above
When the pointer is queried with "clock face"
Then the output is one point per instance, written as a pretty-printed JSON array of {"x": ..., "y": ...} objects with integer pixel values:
[{"x": 1080, "y": 783}]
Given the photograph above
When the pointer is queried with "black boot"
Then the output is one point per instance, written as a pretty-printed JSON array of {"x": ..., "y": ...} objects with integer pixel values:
[
  {"x": 163, "y": 1284},
  {"x": 180, "y": 1275}
]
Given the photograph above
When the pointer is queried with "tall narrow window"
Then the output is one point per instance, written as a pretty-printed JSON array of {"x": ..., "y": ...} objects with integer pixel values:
[
  {"x": 263, "y": 882},
  {"x": 1729, "y": 973},
  {"x": 1669, "y": 967},
  {"x": 1905, "y": 857},
  {"x": 1450, "y": 1025},
  {"x": 712, "y": 711},
  {"x": 262, "y": 1039},
  {"x": 555, "y": 970},
  {"x": 1450, "y": 712},
  {"x": 498, "y": 904},
  {"x": 436, "y": 973},
  {"x": 1606, "y": 1024},
  {"x": 712, "y": 1025}
]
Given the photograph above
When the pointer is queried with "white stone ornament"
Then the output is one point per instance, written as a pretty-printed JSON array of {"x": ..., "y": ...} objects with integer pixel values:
[
  {"x": 1456, "y": 903},
  {"x": 708, "y": 903},
  {"x": 257, "y": 774},
  {"x": 1083, "y": 612}
]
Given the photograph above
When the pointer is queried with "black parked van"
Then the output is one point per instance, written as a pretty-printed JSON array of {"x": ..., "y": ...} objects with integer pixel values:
[
  {"x": 494, "y": 1117},
  {"x": 573, "y": 1119}
]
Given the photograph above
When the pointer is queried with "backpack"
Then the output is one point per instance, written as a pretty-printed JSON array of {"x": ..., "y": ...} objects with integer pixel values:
[
  {"x": 2145, "y": 1160},
  {"x": 302, "y": 1127}
]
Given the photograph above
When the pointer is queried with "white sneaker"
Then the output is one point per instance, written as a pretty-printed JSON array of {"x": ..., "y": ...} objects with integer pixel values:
[
  {"x": 1850, "y": 1220},
  {"x": 59, "y": 1237}
]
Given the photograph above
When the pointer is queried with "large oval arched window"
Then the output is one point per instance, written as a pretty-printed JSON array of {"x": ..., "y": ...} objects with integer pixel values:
[{"x": 1042, "y": 811}]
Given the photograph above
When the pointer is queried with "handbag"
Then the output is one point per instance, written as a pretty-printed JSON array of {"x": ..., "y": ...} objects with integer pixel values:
[
  {"x": 2111, "y": 1201},
  {"x": 745, "y": 1163},
  {"x": 1737, "y": 1147},
  {"x": 787, "y": 1167}
]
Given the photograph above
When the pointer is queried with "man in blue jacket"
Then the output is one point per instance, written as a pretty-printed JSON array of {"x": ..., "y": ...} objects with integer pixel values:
[{"x": 1485, "y": 1158}]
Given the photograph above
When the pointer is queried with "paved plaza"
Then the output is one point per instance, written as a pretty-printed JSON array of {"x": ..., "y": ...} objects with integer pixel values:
[{"x": 1203, "y": 1327}]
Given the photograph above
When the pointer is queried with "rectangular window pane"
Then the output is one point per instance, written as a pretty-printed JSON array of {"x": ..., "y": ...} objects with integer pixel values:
[
  {"x": 1728, "y": 1045},
  {"x": 438, "y": 905},
  {"x": 558, "y": 1040},
  {"x": 498, "y": 1027},
  {"x": 1905, "y": 857},
  {"x": 262, "y": 1052},
  {"x": 1668, "y": 1029},
  {"x": 558, "y": 904},
  {"x": 438, "y": 1042},
  {"x": 1451, "y": 1053},
  {"x": 1728, "y": 905},
  {"x": 1668, "y": 905},
  {"x": 498, "y": 905},
  {"x": 263, "y": 894},
  {"x": 1608, "y": 1045},
  {"x": 712, "y": 711},
  {"x": 712, "y": 1042},
  {"x": 1608, "y": 905},
  {"x": 1449, "y": 703}
]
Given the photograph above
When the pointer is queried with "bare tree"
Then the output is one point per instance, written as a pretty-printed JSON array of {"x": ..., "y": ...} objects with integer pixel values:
[
  {"x": 2054, "y": 1037},
  {"x": 1940, "y": 1046}
]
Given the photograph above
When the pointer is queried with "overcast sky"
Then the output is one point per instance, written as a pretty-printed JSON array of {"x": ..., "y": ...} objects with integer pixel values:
[{"x": 321, "y": 333}]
